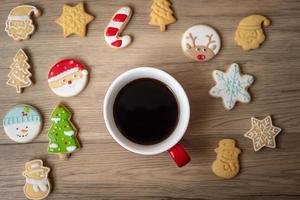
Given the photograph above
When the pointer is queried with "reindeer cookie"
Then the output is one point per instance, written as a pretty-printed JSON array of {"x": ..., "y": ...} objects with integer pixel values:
[
  {"x": 37, "y": 185},
  {"x": 227, "y": 164},
  {"x": 201, "y": 43}
]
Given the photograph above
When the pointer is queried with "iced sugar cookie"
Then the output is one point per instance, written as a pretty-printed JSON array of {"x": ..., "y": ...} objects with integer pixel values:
[
  {"x": 19, "y": 75},
  {"x": 67, "y": 78},
  {"x": 19, "y": 26},
  {"x": 227, "y": 164},
  {"x": 37, "y": 184},
  {"x": 161, "y": 14},
  {"x": 115, "y": 28},
  {"x": 231, "y": 86},
  {"x": 74, "y": 20},
  {"x": 22, "y": 123},
  {"x": 201, "y": 43},
  {"x": 262, "y": 133},
  {"x": 62, "y": 133},
  {"x": 249, "y": 34}
]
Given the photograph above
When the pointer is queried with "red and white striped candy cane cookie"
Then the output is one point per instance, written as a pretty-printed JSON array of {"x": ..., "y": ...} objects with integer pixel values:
[{"x": 115, "y": 27}]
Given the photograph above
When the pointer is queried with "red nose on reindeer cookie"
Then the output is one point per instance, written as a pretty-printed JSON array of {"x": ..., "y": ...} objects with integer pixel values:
[
  {"x": 116, "y": 26},
  {"x": 201, "y": 43},
  {"x": 67, "y": 78}
]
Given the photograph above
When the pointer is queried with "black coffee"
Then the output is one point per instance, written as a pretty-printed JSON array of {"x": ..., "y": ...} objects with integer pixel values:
[{"x": 146, "y": 111}]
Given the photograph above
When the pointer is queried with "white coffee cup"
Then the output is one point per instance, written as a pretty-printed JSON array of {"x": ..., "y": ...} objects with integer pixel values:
[{"x": 170, "y": 144}]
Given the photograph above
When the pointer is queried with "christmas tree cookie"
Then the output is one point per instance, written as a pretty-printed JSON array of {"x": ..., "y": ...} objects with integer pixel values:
[
  {"x": 161, "y": 14},
  {"x": 62, "y": 134},
  {"x": 19, "y": 76}
]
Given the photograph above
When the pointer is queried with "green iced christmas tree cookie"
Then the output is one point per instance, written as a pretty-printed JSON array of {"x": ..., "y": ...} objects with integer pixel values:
[{"x": 62, "y": 134}]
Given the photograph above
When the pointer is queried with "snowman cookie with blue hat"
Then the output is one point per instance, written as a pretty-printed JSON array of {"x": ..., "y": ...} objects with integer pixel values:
[{"x": 22, "y": 123}]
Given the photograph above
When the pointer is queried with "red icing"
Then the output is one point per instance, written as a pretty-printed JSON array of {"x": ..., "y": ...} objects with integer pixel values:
[
  {"x": 119, "y": 18},
  {"x": 117, "y": 43},
  {"x": 64, "y": 65},
  {"x": 201, "y": 57},
  {"x": 111, "y": 31}
]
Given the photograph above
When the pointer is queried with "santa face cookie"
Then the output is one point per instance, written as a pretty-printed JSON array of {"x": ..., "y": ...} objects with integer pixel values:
[
  {"x": 22, "y": 123},
  {"x": 67, "y": 78},
  {"x": 19, "y": 26},
  {"x": 201, "y": 43}
]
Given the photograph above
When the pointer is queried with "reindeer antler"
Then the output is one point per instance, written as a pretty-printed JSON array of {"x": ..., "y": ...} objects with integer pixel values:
[
  {"x": 209, "y": 40},
  {"x": 193, "y": 39}
]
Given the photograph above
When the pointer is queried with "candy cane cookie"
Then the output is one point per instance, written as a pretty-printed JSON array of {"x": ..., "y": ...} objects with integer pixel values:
[{"x": 115, "y": 27}]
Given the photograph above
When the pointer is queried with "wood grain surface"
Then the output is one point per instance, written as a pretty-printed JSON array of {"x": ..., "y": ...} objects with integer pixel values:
[{"x": 103, "y": 169}]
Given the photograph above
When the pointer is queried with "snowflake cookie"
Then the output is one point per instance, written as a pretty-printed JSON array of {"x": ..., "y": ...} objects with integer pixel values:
[
  {"x": 231, "y": 86},
  {"x": 262, "y": 133}
]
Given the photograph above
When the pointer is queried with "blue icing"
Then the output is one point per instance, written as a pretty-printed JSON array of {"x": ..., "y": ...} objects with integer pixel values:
[
  {"x": 233, "y": 85},
  {"x": 21, "y": 114}
]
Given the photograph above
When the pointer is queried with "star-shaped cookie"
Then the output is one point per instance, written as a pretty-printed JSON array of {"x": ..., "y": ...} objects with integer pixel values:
[
  {"x": 262, "y": 133},
  {"x": 74, "y": 20},
  {"x": 231, "y": 86}
]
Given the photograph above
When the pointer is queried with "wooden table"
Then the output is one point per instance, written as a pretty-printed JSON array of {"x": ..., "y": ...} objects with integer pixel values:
[{"x": 103, "y": 169}]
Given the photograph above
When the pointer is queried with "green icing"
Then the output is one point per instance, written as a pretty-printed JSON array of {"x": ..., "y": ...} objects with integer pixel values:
[
  {"x": 26, "y": 109},
  {"x": 62, "y": 134}
]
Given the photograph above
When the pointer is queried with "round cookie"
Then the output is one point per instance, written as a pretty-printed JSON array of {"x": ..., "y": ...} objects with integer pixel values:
[
  {"x": 201, "y": 43},
  {"x": 67, "y": 78},
  {"x": 22, "y": 123}
]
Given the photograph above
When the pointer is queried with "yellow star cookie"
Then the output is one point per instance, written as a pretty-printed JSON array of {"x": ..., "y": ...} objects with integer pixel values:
[
  {"x": 74, "y": 20},
  {"x": 262, "y": 133}
]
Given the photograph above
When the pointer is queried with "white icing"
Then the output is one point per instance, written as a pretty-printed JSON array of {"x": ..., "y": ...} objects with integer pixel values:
[
  {"x": 17, "y": 136},
  {"x": 231, "y": 86},
  {"x": 53, "y": 145},
  {"x": 55, "y": 119},
  {"x": 69, "y": 90},
  {"x": 201, "y": 32},
  {"x": 38, "y": 185},
  {"x": 63, "y": 74},
  {"x": 71, "y": 148},
  {"x": 35, "y": 165},
  {"x": 126, "y": 40},
  {"x": 21, "y": 17},
  {"x": 69, "y": 133}
]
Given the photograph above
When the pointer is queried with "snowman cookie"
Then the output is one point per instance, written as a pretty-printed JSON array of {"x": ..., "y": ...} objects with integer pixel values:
[
  {"x": 67, "y": 78},
  {"x": 226, "y": 164},
  {"x": 22, "y": 123},
  {"x": 201, "y": 43},
  {"x": 37, "y": 185}
]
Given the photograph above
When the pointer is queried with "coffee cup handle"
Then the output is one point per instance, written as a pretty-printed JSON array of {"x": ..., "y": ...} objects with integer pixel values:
[{"x": 179, "y": 155}]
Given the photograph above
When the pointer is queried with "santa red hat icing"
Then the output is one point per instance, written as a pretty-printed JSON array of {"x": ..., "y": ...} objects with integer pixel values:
[{"x": 64, "y": 68}]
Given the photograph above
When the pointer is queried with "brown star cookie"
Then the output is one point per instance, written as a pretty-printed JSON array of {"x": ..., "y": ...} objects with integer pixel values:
[
  {"x": 262, "y": 133},
  {"x": 74, "y": 20}
]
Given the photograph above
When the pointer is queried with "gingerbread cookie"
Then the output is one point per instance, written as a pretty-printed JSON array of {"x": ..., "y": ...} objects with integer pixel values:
[
  {"x": 227, "y": 164},
  {"x": 116, "y": 26},
  {"x": 62, "y": 133},
  {"x": 201, "y": 43},
  {"x": 262, "y": 133},
  {"x": 22, "y": 123},
  {"x": 37, "y": 184},
  {"x": 19, "y": 26},
  {"x": 249, "y": 34},
  {"x": 161, "y": 14},
  {"x": 231, "y": 86},
  {"x": 67, "y": 78},
  {"x": 19, "y": 75},
  {"x": 74, "y": 20}
]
